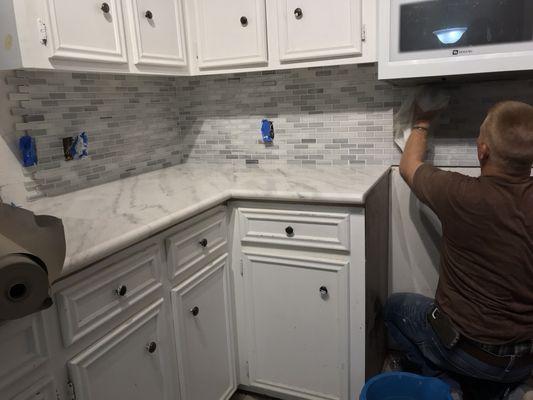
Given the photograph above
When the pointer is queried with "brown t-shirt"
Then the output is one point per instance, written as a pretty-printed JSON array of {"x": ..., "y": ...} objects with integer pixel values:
[{"x": 486, "y": 277}]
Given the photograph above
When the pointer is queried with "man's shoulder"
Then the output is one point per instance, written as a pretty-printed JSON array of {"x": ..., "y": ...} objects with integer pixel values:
[
  {"x": 441, "y": 188},
  {"x": 432, "y": 175}
]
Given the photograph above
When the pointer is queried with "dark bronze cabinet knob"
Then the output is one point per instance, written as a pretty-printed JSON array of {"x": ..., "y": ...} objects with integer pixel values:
[
  {"x": 195, "y": 311},
  {"x": 149, "y": 14},
  {"x": 323, "y": 291},
  {"x": 244, "y": 21},
  {"x": 298, "y": 13},
  {"x": 121, "y": 290},
  {"x": 203, "y": 242},
  {"x": 289, "y": 231},
  {"x": 105, "y": 8},
  {"x": 151, "y": 347}
]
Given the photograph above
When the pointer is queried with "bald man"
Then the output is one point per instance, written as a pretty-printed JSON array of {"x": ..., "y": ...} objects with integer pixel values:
[{"x": 479, "y": 327}]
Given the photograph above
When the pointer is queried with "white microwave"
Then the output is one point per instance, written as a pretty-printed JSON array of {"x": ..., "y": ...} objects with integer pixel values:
[{"x": 428, "y": 38}]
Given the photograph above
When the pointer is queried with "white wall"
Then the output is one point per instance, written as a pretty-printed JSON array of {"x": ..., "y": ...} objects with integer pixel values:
[{"x": 415, "y": 239}]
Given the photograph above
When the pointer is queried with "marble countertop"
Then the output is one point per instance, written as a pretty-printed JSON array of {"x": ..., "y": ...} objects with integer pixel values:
[{"x": 102, "y": 220}]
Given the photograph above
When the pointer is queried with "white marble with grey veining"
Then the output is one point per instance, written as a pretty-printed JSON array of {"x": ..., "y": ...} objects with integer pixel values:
[{"x": 104, "y": 219}]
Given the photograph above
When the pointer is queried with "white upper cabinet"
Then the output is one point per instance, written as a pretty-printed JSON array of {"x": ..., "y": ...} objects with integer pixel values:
[
  {"x": 185, "y": 37},
  {"x": 87, "y": 30},
  {"x": 319, "y": 29},
  {"x": 158, "y": 33},
  {"x": 230, "y": 33}
]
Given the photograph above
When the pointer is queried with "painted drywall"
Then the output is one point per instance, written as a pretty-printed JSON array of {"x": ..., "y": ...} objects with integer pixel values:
[{"x": 415, "y": 239}]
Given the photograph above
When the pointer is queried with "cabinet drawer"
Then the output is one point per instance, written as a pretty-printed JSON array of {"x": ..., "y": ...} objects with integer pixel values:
[
  {"x": 101, "y": 297},
  {"x": 296, "y": 228},
  {"x": 197, "y": 242}
]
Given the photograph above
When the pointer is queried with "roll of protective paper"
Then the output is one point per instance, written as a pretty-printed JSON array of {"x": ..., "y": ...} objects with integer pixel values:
[
  {"x": 23, "y": 282},
  {"x": 32, "y": 252}
]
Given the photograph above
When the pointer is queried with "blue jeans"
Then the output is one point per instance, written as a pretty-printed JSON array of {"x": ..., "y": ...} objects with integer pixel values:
[{"x": 410, "y": 331}]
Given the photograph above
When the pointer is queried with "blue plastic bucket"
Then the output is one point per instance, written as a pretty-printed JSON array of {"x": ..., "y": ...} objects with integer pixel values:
[{"x": 405, "y": 386}]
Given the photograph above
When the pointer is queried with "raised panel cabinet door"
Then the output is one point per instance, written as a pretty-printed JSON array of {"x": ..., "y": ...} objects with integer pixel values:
[
  {"x": 131, "y": 362},
  {"x": 319, "y": 29},
  {"x": 87, "y": 30},
  {"x": 23, "y": 350},
  {"x": 297, "y": 325},
  {"x": 203, "y": 327},
  {"x": 159, "y": 34},
  {"x": 230, "y": 33}
]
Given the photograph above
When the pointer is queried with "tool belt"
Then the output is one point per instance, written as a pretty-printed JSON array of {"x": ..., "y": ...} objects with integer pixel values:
[{"x": 451, "y": 338}]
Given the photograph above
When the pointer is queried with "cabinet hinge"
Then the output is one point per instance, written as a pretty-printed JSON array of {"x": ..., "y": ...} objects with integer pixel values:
[
  {"x": 70, "y": 390},
  {"x": 363, "y": 33},
  {"x": 242, "y": 268}
]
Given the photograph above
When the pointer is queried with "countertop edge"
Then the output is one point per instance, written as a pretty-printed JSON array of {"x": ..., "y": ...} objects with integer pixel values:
[{"x": 95, "y": 254}]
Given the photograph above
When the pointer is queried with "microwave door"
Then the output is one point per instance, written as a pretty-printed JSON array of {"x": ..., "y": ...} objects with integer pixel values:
[{"x": 430, "y": 29}]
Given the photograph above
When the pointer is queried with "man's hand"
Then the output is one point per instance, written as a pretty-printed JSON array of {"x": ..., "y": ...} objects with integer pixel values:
[{"x": 415, "y": 150}]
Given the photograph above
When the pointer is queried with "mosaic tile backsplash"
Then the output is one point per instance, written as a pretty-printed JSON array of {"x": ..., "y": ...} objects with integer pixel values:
[
  {"x": 334, "y": 115},
  {"x": 321, "y": 116},
  {"x": 131, "y": 122}
]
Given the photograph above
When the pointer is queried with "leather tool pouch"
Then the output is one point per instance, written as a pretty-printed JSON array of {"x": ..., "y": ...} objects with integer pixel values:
[{"x": 443, "y": 327}]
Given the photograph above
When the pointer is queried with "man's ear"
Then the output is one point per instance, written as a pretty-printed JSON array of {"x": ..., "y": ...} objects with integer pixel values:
[{"x": 483, "y": 152}]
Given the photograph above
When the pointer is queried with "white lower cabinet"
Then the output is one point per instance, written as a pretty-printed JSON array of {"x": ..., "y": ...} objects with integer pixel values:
[
  {"x": 297, "y": 325},
  {"x": 204, "y": 334},
  {"x": 309, "y": 283},
  {"x": 24, "y": 372},
  {"x": 131, "y": 362},
  {"x": 23, "y": 348},
  {"x": 44, "y": 389},
  {"x": 291, "y": 310}
]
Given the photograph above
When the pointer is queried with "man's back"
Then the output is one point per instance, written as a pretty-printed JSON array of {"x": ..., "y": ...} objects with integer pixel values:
[{"x": 486, "y": 278}]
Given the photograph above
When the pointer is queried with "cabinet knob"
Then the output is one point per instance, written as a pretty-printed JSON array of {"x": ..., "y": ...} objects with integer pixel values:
[
  {"x": 149, "y": 14},
  {"x": 105, "y": 8},
  {"x": 289, "y": 231},
  {"x": 121, "y": 290},
  {"x": 323, "y": 291},
  {"x": 203, "y": 242},
  {"x": 244, "y": 21},
  {"x": 195, "y": 311},
  {"x": 298, "y": 13},
  {"x": 151, "y": 347}
]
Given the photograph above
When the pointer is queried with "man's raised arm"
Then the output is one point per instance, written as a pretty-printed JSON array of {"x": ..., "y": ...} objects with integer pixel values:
[{"x": 415, "y": 151}]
